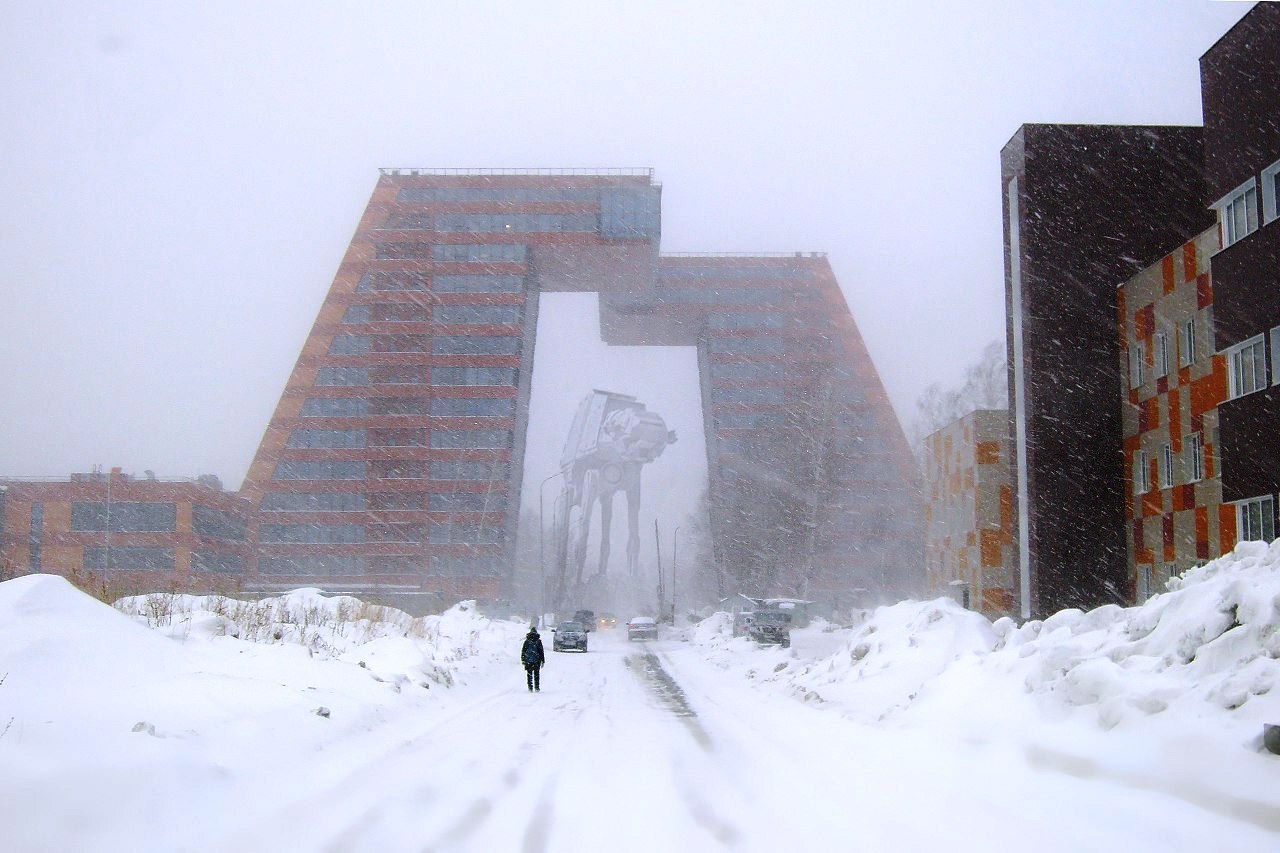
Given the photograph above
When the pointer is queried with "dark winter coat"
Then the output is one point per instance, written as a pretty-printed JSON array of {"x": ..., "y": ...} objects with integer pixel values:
[{"x": 531, "y": 653}]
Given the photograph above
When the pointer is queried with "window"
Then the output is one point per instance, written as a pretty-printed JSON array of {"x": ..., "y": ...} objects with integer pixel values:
[
  {"x": 474, "y": 223},
  {"x": 629, "y": 212},
  {"x": 349, "y": 345},
  {"x": 466, "y": 565},
  {"x": 1166, "y": 466},
  {"x": 475, "y": 345},
  {"x": 130, "y": 559},
  {"x": 413, "y": 221},
  {"x": 217, "y": 561},
  {"x": 466, "y": 470},
  {"x": 355, "y": 315},
  {"x": 746, "y": 395},
  {"x": 477, "y": 314},
  {"x": 397, "y": 532},
  {"x": 420, "y": 195},
  {"x": 311, "y": 534},
  {"x": 744, "y": 321},
  {"x": 747, "y": 420},
  {"x": 746, "y": 371},
  {"x": 1271, "y": 192},
  {"x": 312, "y": 564},
  {"x": 125, "y": 516},
  {"x": 473, "y": 376},
  {"x": 482, "y": 407},
  {"x": 312, "y": 502},
  {"x": 398, "y": 312},
  {"x": 396, "y": 500},
  {"x": 1195, "y": 451},
  {"x": 1141, "y": 475},
  {"x": 1238, "y": 213},
  {"x": 491, "y": 253},
  {"x": 217, "y": 524},
  {"x": 745, "y": 345},
  {"x": 1160, "y": 347},
  {"x": 479, "y": 284},
  {"x": 1137, "y": 364},
  {"x": 403, "y": 251},
  {"x": 467, "y": 502},
  {"x": 394, "y": 280},
  {"x": 470, "y": 439},
  {"x": 444, "y": 533},
  {"x": 296, "y": 470},
  {"x": 1275, "y": 352},
  {"x": 334, "y": 407},
  {"x": 1256, "y": 519},
  {"x": 1247, "y": 367},
  {"x": 327, "y": 376},
  {"x": 1187, "y": 342},
  {"x": 399, "y": 343},
  {"x": 325, "y": 439}
]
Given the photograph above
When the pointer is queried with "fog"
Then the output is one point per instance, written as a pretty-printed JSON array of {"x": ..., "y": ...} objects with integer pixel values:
[{"x": 181, "y": 181}]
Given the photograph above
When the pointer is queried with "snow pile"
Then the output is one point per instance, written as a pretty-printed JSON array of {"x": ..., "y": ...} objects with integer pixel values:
[
  {"x": 884, "y": 664},
  {"x": 399, "y": 646}
]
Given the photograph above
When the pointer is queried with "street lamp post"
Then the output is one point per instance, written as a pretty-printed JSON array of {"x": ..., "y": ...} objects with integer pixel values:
[
  {"x": 542, "y": 552},
  {"x": 675, "y": 545}
]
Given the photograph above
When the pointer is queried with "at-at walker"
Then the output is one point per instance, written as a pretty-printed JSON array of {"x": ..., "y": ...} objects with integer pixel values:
[{"x": 611, "y": 439}]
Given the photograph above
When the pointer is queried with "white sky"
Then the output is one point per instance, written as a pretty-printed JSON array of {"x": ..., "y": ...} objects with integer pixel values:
[{"x": 180, "y": 180}]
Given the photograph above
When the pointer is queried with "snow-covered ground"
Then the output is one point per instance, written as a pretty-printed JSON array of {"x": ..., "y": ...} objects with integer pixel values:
[{"x": 189, "y": 723}]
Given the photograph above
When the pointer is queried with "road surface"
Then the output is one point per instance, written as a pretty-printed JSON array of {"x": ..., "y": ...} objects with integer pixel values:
[{"x": 647, "y": 747}]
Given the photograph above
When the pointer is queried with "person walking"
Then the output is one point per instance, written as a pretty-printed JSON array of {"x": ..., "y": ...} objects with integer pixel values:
[{"x": 532, "y": 656}]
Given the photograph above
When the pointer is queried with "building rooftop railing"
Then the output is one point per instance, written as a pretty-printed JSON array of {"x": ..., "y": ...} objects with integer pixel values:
[
  {"x": 637, "y": 172},
  {"x": 207, "y": 480},
  {"x": 742, "y": 255}
]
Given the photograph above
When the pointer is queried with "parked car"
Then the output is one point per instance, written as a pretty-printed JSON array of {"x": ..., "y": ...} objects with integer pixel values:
[
  {"x": 642, "y": 628},
  {"x": 606, "y": 621},
  {"x": 587, "y": 618},
  {"x": 770, "y": 626},
  {"x": 569, "y": 635}
]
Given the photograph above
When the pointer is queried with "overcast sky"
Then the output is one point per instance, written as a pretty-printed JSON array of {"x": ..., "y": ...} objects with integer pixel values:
[{"x": 179, "y": 181}]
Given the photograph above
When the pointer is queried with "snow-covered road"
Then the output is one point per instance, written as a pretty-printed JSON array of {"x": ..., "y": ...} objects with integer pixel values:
[{"x": 647, "y": 747}]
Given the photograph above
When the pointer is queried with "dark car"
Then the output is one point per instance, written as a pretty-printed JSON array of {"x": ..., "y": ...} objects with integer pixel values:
[
  {"x": 587, "y": 618},
  {"x": 569, "y": 635},
  {"x": 642, "y": 628},
  {"x": 770, "y": 626},
  {"x": 607, "y": 621}
]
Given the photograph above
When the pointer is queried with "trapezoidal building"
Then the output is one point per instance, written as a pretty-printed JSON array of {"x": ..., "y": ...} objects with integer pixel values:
[{"x": 393, "y": 460}]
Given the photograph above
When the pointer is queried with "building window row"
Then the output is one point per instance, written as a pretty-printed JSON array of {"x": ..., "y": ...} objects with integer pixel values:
[
  {"x": 518, "y": 223},
  {"x": 509, "y": 195},
  {"x": 311, "y": 534},
  {"x": 744, "y": 321},
  {"x": 410, "y": 281},
  {"x": 747, "y": 395},
  {"x": 438, "y": 345},
  {"x": 313, "y": 502},
  {"x": 746, "y": 371},
  {"x": 741, "y": 346},
  {"x": 1193, "y": 455},
  {"x": 412, "y": 374},
  {"x": 129, "y": 559},
  {"x": 446, "y": 407},
  {"x": 124, "y": 517},
  {"x": 1238, "y": 213},
  {"x": 212, "y": 523},
  {"x": 490, "y": 253}
]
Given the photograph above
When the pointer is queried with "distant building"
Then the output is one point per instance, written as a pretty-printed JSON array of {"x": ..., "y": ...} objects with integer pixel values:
[
  {"x": 125, "y": 533},
  {"x": 969, "y": 545},
  {"x": 394, "y": 459}
]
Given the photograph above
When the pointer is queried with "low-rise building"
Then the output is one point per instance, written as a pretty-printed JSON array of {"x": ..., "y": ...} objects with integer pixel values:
[
  {"x": 123, "y": 534},
  {"x": 969, "y": 544}
]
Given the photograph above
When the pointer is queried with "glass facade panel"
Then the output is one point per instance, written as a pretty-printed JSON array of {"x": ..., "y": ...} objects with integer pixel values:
[
  {"x": 394, "y": 280},
  {"x": 517, "y": 223},
  {"x": 484, "y": 253},
  {"x": 468, "y": 470},
  {"x": 738, "y": 346},
  {"x": 477, "y": 314},
  {"x": 126, "y": 516},
  {"x": 746, "y": 395},
  {"x": 467, "y": 502},
  {"x": 470, "y": 438},
  {"x": 356, "y": 315},
  {"x": 221, "y": 562},
  {"x": 398, "y": 406},
  {"x": 744, "y": 321},
  {"x": 447, "y": 533},
  {"x": 475, "y": 345},
  {"x": 746, "y": 371},
  {"x": 479, "y": 283},
  {"x": 398, "y": 469},
  {"x": 473, "y": 376},
  {"x": 325, "y": 439},
  {"x": 426, "y": 195},
  {"x": 311, "y": 534},
  {"x": 628, "y": 213},
  {"x": 334, "y": 407},
  {"x": 400, "y": 374},
  {"x": 318, "y": 470},
  {"x": 349, "y": 345},
  {"x": 312, "y": 502},
  {"x": 397, "y": 438},
  {"x": 212, "y": 523},
  {"x": 312, "y": 564},
  {"x": 453, "y": 407},
  {"x": 332, "y": 376}
]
